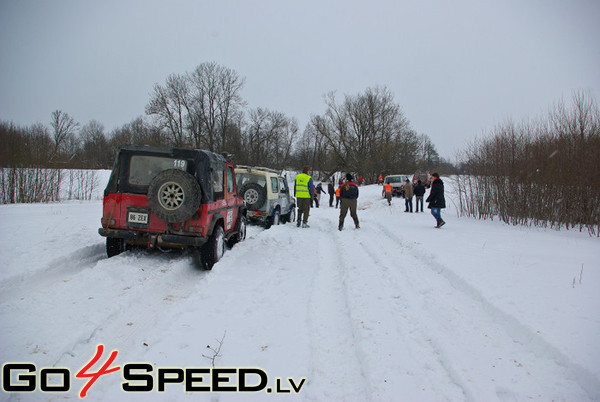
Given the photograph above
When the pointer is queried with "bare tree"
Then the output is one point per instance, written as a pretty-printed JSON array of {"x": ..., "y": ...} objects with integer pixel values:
[
  {"x": 198, "y": 109},
  {"x": 95, "y": 150},
  {"x": 268, "y": 138},
  {"x": 38, "y": 143},
  {"x": 428, "y": 156},
  {"x": 64, "y": 130},
  {"x": 213, "y": 103},
  {"x": 367, "y": 133},
  {"x": 170, "y": 105}
]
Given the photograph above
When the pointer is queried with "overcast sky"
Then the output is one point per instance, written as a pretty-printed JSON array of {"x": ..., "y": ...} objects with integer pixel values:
[{"x": 456, "y": 68}]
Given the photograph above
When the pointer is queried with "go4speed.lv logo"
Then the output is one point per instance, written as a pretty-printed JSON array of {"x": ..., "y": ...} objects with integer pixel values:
[{"x": 143, "y": 377}]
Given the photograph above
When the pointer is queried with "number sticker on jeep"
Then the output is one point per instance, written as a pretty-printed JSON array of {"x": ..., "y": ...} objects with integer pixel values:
[
  {"x": 179, "y": 164},
  {"x": 229, "y": 218}
]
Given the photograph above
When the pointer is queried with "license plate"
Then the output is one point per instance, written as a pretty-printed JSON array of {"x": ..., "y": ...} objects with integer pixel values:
[{"x": 137, "y": 217}]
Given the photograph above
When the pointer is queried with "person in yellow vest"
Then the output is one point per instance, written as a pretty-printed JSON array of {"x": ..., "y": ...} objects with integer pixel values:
[
  {"x": 388, "y": 193},
  {"x": 303, "y": 190}
]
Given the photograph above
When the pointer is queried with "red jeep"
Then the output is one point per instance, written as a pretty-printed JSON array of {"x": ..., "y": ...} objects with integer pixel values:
[
  {"x": 425, "y": 178},
  {"x": 169, "y": 198}
]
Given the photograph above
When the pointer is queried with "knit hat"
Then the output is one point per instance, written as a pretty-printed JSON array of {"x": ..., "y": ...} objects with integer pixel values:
[{"x": 349, "y": 177}]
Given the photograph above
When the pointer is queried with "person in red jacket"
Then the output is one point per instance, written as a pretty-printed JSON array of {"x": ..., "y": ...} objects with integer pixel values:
[{"x": 348, "y": 196}]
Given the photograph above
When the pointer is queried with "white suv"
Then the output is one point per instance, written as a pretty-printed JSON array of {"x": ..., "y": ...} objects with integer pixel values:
[
  {"x": 267, "y": 195},
  {"x": 397, "y": 182}
]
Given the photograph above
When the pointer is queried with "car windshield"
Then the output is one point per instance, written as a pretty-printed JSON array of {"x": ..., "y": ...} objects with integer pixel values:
[
  {"x": 396, "y": 179},
  {"x": 143, "y": 168}
]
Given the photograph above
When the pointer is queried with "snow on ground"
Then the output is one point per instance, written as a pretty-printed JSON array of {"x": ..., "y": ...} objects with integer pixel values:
[{"x": 396, "y": 310}]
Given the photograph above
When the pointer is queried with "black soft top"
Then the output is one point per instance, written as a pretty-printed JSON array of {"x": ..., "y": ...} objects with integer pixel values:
[{"x": 203, "y": 165}]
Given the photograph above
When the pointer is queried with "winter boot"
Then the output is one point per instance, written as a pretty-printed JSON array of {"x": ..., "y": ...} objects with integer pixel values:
[{"x": 440, "y": 222}]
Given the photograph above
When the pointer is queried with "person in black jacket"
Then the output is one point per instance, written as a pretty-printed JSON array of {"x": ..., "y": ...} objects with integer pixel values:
[
  {"x": 436, "y": 199},
  {"x": 419, "y": 191},
  {"x": 331, "y": 192},
  {"x": 348, "y": 196}
]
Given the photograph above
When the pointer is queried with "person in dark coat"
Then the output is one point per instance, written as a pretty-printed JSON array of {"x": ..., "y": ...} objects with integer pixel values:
[
  {"x": 408, "y": 195},
  {"x": 318, "y": 191},
  {"x": 348, "y": 196},
  {"x": 436, "y": 199},
  {"x": 419, "y": 191},
  {"x": 331, "y": 192}
]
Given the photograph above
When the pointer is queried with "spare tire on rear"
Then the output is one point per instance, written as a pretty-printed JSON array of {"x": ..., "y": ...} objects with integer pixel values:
[
  {"x": 174, "y": 195},
  {"x": 254, "y": 194}
]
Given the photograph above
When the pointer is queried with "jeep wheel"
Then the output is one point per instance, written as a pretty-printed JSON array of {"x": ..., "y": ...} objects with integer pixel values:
[
  {"x": 273, "y": 220},
  {"x": 254, "y": 194},
  {"x": 174, "y": 195},
  {"x": 214, "y": 249},
  {"x": 290, "y": 217},
  {"x": 114, "y": 246},
  {"x": 240, "y": 228}
]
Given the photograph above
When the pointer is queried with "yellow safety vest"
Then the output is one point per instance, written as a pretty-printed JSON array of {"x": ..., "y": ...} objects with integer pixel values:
[{"x": 302, "y": 190}]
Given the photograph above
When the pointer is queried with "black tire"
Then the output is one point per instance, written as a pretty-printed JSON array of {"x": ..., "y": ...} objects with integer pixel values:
[
  {"x": 254, "y": 194},
  {"x": 174, "y": 195},
  {"x": 114, "y": 246},
  {"x": 274, "y": 220},
  {"x": 291, "y": 216},
  {"x": 214, "y": 249},
  {"x": 240, "y": 228},
  {"x": 286, "y": 218}
]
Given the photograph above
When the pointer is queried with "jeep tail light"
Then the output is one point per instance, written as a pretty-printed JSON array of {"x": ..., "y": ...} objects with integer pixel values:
[
  {"x": 194, "y": 228},
  {"x": 108, "y": 222}
]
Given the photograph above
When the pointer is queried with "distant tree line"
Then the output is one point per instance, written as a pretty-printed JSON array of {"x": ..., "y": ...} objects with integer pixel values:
[
  {"x": 367, "y": 133},
  {"x": 542, "y": 172}
]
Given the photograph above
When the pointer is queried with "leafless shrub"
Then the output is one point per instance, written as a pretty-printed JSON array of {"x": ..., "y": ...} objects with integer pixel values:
[
  {"x": 215, "y": 351},
  {"x": 81, "y": 184},
  {"x": 28, "y": 185},
  {"x": 541, "y": 173},
  {"x": 25, "y": 185}
]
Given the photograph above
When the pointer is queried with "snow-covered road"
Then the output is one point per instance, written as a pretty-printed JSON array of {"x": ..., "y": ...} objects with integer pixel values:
[{"x": 396, "y": 310}]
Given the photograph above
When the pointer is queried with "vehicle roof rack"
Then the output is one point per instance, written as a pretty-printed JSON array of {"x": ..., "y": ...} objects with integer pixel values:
[{"x": 250, "y": 168}]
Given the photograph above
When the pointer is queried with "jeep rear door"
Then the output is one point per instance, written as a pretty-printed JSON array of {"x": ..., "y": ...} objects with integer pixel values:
[
  {"x": 232, "y": 200},
  {"x": 283, "y": 196}
]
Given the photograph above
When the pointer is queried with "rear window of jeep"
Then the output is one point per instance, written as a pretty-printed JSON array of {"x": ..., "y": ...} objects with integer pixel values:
[{"x": 142, "y": 168}]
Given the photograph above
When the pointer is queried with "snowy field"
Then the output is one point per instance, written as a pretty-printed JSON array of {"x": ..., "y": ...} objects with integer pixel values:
[{"x": 394, "y": 311}]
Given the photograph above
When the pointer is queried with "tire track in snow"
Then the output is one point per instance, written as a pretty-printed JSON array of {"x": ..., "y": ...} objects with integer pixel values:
[
  {"x": 126, "y": 295},
  {"x": 55, "y": 271},
  {"x": 456, "y": 308},
  {"x": 391, "y": 341},
  {"x": 142, "y": 304},
  {"x": 336, "y": 365}
]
